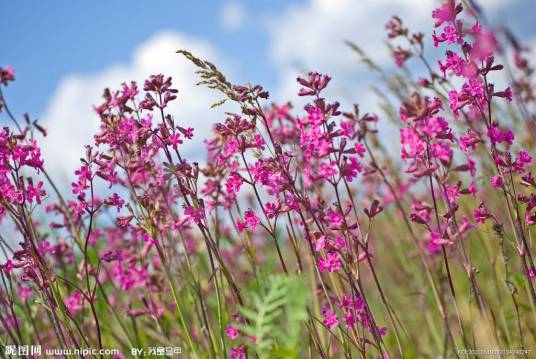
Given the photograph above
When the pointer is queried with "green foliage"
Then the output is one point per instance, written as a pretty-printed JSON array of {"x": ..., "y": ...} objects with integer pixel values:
[{"x": 276, "y": 317}]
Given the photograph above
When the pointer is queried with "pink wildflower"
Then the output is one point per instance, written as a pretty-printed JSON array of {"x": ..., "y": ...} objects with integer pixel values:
[
  {"x": 74, "y": 302},
  {"x": 331, "y": 262},
  {"x": 250, "y": 221},
  {"x": 436, "y": 242},
  {"x": 233, "y": 184},
  {"x": 25, "y": 293},
  {"x": 35, "y": 192},
  {"x": 231, "y": 332},
  {"x": 496, "y": 181},
  {"x": 330, "y": 318},
  {"x": 238, "y": 352},
  {"x": 481, "y": 213}
]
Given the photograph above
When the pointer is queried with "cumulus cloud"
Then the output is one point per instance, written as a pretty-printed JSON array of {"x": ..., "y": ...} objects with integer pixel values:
[
  {"x": 311, "y": 35},
  {"x": 319, "y": 28},
  {"x": 71, "y": 120},
  {"x": 318, "y": 31},
  {"x": 232, "y": 16}
]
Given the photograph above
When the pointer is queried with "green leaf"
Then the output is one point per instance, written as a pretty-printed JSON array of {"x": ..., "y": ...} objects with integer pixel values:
[{"x": 276, "y": 317}]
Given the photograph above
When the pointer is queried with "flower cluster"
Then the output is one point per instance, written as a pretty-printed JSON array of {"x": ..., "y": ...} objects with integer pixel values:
[{"x": 306, "y": 231}]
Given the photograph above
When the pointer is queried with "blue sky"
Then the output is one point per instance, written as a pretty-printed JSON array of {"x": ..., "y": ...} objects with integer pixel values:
[
  {"x": 46, "y": 40},
  {"x": 66, "y": 52}
]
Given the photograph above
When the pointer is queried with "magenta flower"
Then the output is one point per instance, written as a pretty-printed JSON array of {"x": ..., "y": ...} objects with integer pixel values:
[
  {"x": 496, "y": 181},
  {"x": 238, "y": 352},
  {"x": 360, "y": 149},
  {"x": 481, "y": 213},
  {"x": 447, "y": 12},
  {"x": 7, "y": 74},
  {"x": 314, "y": 84},
  {"x": 320, "y": 243},
  {"x": 115, "y": 201},
  {"x": 271, "y": 209},
  {"x": 174, "y": 140},
  {"x": 532, "y": 273},
  {"x": 330, "y": 318},
  {"x": 351, "y": 168},
  {"x": 484, "y": 45},
  {"x": 24, "y": 292},
  {"x": 233, "y": 184},
  {"x": 35, "y": 192},
  {"x": 335, "y": 218},
  {"x": 523, "y": 159},
  {"x": 498, "y": 136},
  {"x": 401, "y": 55},
  {"x": 453, "y": 193},
  {"x": 331, "y": 262},
  {"x": 250, "y": 221},
  {"x": 453, "y": 63},
  {"x": 84, "y": 173},
  {"x": 436, "y": 242},
  {"x": 196, "y": 215},
  {"x": 231, "y": 332},
  {"x": 74, "y": 302}
]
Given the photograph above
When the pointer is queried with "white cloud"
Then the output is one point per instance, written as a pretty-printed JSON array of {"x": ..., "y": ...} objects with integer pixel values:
[
  {"x": 312, "y": 34},
  {"x": 232, "y": 16},
  {"x": 72, "y": 122},
  {"x": 310, "y": 37}
]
